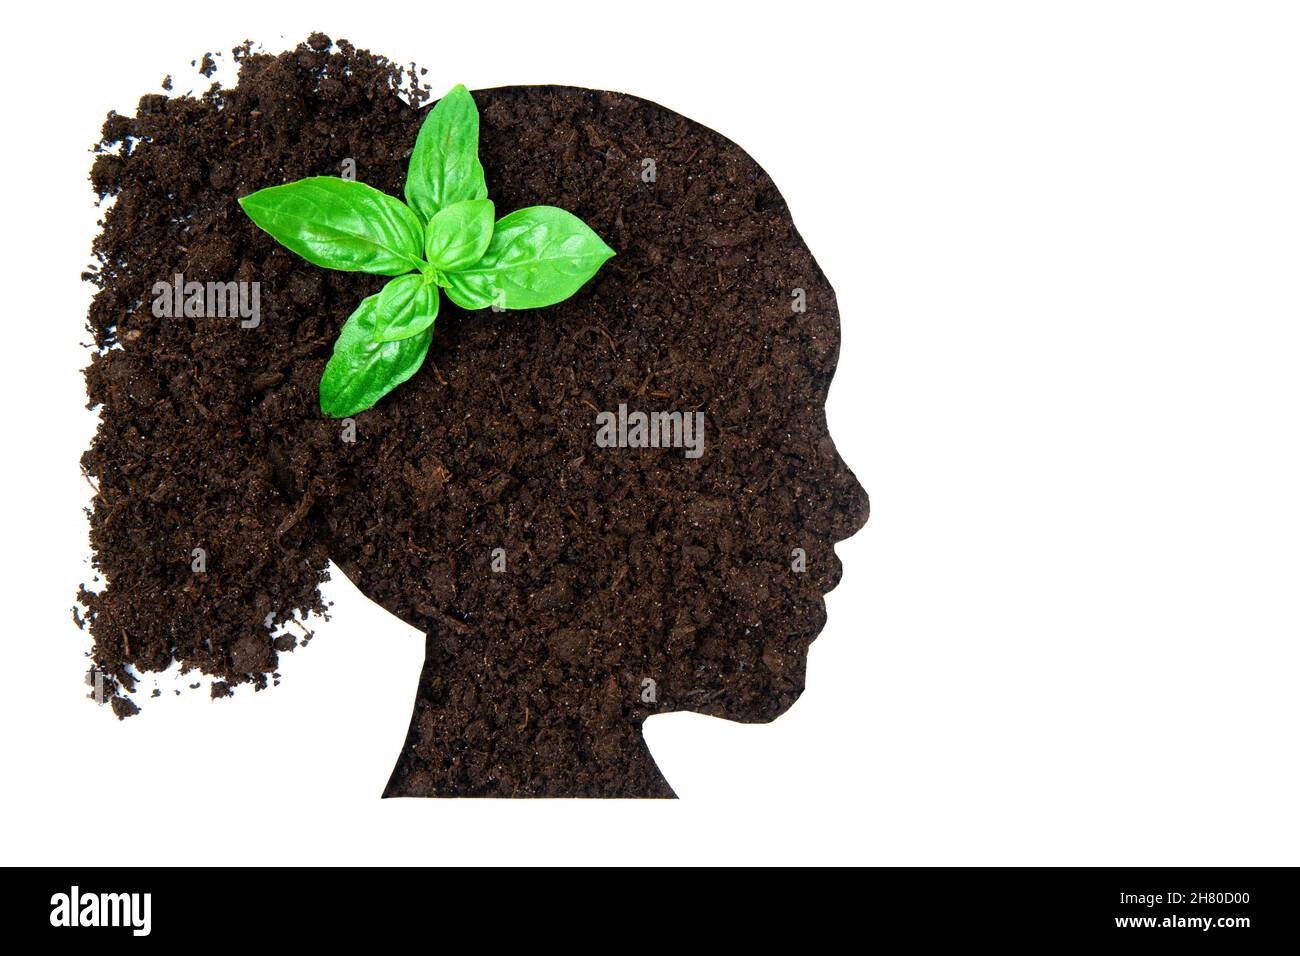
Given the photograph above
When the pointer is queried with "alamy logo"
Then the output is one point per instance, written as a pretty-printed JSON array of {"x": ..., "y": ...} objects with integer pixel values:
[
  {"x": 208, "y": 300},
  {"x": 102, "y": 909},
  {"x": 651, "y": 430}
]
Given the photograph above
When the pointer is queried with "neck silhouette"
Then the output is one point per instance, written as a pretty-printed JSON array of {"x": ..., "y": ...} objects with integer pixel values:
[{"x": 482, "y": 727}]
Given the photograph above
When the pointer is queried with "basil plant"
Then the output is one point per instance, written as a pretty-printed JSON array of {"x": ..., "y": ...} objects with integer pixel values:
[{"x": 444, "y": 237}]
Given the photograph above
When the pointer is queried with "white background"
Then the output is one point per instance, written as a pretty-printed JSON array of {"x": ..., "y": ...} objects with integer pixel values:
[{"x": 1065, "y": 239}]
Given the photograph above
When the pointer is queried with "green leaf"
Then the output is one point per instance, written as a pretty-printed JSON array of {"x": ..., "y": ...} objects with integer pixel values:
[
  {"x": 339, "y": 224},
  {"x": 457, "y": 236},
  {"x": 362, "y": 371},
  {"x": 407, "y": 306},
  {"x": 538, "y": 256},
  {"x": 445, "y": 167}
]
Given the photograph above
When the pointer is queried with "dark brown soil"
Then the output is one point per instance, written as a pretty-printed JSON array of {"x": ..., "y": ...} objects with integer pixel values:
[{"x": 624, "y": 565}]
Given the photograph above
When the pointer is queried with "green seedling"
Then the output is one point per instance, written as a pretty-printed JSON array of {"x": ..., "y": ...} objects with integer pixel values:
[{"x": 445, "y": 236}]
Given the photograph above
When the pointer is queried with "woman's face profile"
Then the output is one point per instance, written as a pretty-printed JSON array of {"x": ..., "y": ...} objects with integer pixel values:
[{"x": 622, "y": 507}]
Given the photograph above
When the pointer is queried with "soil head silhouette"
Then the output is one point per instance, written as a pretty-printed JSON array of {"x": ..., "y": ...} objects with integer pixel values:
[
  {"x": 628, "y": 581},
  {"x": 568, "y": 589}
]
